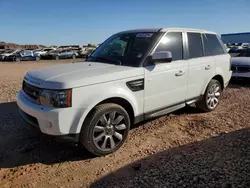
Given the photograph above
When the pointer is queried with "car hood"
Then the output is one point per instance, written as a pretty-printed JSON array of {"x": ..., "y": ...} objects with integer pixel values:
[
  {"x": 79, "y": 74},
  {"x": 7, "y": 54},
  {"x": 241, "y": 61}
]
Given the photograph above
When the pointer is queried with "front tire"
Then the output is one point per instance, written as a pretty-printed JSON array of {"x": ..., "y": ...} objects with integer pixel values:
[
  {"x": 211, "y": 98},
  {"x": 105, "y": 129}
]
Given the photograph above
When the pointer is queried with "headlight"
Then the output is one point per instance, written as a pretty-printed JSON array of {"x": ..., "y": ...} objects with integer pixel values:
[{"x": 60, "y": 98}]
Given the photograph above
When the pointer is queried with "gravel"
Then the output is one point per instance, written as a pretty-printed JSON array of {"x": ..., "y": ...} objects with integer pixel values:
[{"x": 185, "y": 149}]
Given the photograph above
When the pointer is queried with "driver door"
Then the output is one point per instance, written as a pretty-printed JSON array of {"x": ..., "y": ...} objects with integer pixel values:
[{"x": 166, "y": 83}]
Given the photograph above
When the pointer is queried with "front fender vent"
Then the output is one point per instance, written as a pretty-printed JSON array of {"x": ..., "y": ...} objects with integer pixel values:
[{"x": 136, "y": 85}]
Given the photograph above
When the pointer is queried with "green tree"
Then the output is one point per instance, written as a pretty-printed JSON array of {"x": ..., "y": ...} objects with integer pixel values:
[{"x": 91, "y": 45}]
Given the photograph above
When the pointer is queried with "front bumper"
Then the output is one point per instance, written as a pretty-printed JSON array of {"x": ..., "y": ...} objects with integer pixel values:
[
  {"x": 241, "y": 75},
  {"x": 50, "y": 120}
]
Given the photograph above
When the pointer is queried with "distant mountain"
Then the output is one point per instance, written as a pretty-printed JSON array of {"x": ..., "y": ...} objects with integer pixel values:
[{"x": 4, "y": 45}]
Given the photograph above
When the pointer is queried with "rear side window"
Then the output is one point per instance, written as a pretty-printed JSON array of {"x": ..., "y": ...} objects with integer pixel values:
[
  {"x": 212, "y": 45},
  {"x": 172, "y": 42},
  {"x": 195, "y": 45}
]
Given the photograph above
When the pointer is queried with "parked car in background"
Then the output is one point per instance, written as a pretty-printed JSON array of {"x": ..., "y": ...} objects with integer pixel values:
[
  {"x": 245, "y": 45},
  {"x": 22, "y": 55},
  {"x": 241, "y": 65},
  {"x": 133, "y": 76},
  {"x": 236, "y": 50},
  {"x": 60, "y": 54},
  {"x": 67, "y": 54},
  {"x": 51, "y": 54},
  {"x": 227, "y": 47},
  {"x": 85, "y": 51},
  {"x": 43, "y": 51},
  {"x": 7, "y": 54}
]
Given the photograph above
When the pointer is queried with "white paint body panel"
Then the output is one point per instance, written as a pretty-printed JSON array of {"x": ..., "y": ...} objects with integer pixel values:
[
  {"x": 199, "y": 75},
  {"x": 79, "y": 74},
  {"x": 165, "y": 84},
  {"x": 162, "y": 86}
]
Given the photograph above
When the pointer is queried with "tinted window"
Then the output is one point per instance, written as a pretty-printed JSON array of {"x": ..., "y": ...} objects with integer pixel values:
[
  {"x": 245, "y": 53},
  {"x": 129, "y": 49},
  {"x": 195, "y": 45},
  {"x": 212, "y": 45},
  {"x": 172, "y": 42}
]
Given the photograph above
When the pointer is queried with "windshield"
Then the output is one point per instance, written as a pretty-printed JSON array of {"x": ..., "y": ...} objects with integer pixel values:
[
  {"x": 127, "y": 49},
  {"x": 245, "y": 53}
]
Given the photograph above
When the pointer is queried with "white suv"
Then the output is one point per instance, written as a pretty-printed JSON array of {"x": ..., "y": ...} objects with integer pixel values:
[{"x": 134, "y": 75}]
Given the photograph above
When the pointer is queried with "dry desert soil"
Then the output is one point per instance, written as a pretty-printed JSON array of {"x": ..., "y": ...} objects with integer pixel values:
[{"x": 187, "y": 148}]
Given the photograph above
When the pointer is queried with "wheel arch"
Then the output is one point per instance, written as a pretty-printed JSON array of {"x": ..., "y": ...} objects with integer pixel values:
[
  {"x": 217, "y": 77},
  {"x": 220, "y": 79},
  {"x": 126, "y": 104}
]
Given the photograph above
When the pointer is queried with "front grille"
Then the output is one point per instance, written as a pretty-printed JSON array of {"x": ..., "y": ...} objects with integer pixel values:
[
  {"x": 233, "y": 68},
  {"x": 237, "y": 68},
  {"x": 243, "y": 69},
  {"x": 31, "y": 91}
]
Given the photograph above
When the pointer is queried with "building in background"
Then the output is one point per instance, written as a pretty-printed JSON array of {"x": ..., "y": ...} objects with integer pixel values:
[{"x": 236, "y": 38}]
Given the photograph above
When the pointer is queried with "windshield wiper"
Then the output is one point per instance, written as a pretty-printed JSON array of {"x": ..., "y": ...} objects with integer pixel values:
[{"x": 107, "y": 59}]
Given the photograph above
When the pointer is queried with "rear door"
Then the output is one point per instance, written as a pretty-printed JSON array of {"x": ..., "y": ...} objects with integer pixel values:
[
  {"x": 199, "y": 66},
  {"x": 215, "y": 48}
]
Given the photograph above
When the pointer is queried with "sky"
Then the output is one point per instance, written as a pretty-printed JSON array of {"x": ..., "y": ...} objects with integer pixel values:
[{"x": 65, "y": 22}]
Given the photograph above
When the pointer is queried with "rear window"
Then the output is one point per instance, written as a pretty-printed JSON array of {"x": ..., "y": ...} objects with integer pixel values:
[
  {"x": 212, "y": 46},
  {"x": 195, "y": 45}
]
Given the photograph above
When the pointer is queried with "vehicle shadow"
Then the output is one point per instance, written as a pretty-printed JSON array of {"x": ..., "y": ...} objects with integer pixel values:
[
  {"x": 238, "y": 83},
  {"x": 221, "y": 161},
  {"x": 21, "y": 144}
]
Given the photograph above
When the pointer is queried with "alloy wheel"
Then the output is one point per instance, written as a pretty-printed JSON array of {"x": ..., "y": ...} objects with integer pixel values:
[
  {"x": 213, "y": 96},
  {"x": 109, "y": 131}
]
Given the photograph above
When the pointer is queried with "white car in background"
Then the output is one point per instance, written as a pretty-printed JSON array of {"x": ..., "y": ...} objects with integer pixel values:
[
  {"x": 42, "y": 51},
  {"x": 85, "y": 51},
  {"x": 241, "y": 65},
  {"x": 8, "y": 53},
  {"x": 245, "y": 45}
]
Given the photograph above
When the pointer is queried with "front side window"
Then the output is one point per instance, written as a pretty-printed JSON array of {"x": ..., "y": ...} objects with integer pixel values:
[
  {"x": 172, "y": 42},
  {"x": 195, "y": 46},
  {"x": 126, "y": 49},
  {"x": 212, "y": 45}
]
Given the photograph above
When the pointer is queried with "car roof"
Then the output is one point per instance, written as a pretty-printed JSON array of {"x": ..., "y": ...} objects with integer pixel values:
[{"x": 166, "y": 29}]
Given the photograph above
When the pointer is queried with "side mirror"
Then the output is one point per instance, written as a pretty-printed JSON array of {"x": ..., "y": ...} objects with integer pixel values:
[{"x": 162, "y": 57}]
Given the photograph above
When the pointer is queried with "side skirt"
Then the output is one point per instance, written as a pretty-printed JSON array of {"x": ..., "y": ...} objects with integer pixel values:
[{"x": 164, "y": 110}]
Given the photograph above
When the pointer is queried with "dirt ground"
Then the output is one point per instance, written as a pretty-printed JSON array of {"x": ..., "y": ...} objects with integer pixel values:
[{"x": 184, "y": 149}]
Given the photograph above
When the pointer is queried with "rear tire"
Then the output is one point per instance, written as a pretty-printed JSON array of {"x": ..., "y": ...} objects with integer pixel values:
[
  {"x": 211, "y": 97},
  {"x": 37, "y": 58},
  {"x": 17, "y": 59},
  {"x": 105, "y": 129}
]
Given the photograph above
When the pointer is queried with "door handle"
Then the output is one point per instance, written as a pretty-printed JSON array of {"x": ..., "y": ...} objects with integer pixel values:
[
  {"x": 208, "y": 67},
  {"x": 180, "y": 73}
]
